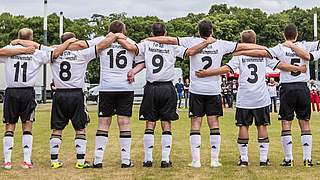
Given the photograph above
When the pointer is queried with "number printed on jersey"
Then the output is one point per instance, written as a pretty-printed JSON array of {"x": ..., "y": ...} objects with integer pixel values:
[{"x": 20, "y": 68}]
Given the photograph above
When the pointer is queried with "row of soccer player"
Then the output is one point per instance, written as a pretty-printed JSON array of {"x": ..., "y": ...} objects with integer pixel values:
[{"x": 157, "y": 54}]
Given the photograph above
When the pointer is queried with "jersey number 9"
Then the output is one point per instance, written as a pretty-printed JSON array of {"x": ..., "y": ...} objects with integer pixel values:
[{"x": 157, "y": 61}]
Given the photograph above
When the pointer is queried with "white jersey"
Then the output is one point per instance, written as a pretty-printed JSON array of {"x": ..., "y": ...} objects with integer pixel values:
[
  {"x": 272, "y": 89},
  {"x": 287, "y": 55},
  {"x": 160, "y": 60},
  {"x": 22, "y": 70},
  {"x": 115, "y": 63},
  {"x": 253, "y": 91},
  {"x": 69, "y": 69},
  {"x": 209, "y": 58}
]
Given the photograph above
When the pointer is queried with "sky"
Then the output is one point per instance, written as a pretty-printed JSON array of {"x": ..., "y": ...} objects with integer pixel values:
[{"x": 165, "y": 9}]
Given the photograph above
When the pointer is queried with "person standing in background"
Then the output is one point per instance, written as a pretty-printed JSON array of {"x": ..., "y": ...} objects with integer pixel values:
[
  {"x": 234, "y": 89},
  {"x": 186, "y": 93},
  {"x": 314, "y": 95},
  {"x": 179, "y": 87},
  {"x": 229, "y": 95},
  {"x": 224, "y": 92},
  {"x": 272, "y": 86}
]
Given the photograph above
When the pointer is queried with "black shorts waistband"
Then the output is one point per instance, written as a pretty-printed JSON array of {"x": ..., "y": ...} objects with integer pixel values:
[
  {"x": 69, "y": 90},
  {"x": 159, "y": 82},
  {"x": 294, "y": 83},
  {"x": 32, "y": 88}
]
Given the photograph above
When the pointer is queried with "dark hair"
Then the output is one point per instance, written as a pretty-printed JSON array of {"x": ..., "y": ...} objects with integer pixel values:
[
  {"x": 117, "y": 27},
  {"x": 290, "y": 31},
  {"x": 248, "y": 36},
  {"x": 158, "y": 29},
  {"x": 205, "y": 28},
  {"x": 66, "y": 36}
]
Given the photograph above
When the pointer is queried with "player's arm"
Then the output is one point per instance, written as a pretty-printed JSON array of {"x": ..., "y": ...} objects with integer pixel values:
[
  {"x": 248, "y": 46},
  {"x": 106, "y": 42},
  {"x": 253, "y": 53},
  {"x": 25, "y": 43},
  {"x": 291, "y": 68},
  {"x": 199, "y": 47},
  {"x": 61, "y": 48},
  {"x": 303, "y": 54},
  {"x": 15, "y": 51},
  {"x": 213, "y": 72},
  {"x": 135, "y": 71},
  {"x": 78, "y": 45},
  {"x": 121, "y": 38},
  {"x": 164, "y": 40}
]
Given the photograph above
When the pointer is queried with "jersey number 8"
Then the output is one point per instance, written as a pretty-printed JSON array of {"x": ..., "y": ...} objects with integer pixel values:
[{"x": 65, "y": 73}]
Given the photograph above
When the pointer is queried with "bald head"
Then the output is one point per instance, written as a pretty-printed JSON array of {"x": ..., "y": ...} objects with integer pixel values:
[
  {"x": 25, "y": 34},
  {"x": 66, "y": 36}
]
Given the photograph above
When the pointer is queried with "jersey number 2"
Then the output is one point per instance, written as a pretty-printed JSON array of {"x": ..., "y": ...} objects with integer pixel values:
[
  {"x": 253, "y": 73},
  {"x": 24, "y": 71},
  {"x": 207, "y": 59}
]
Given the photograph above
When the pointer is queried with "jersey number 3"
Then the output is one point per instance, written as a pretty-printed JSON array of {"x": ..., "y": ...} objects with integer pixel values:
[
  {"x": 24, "y": 71},
  {"x": 253, "y": 73}
]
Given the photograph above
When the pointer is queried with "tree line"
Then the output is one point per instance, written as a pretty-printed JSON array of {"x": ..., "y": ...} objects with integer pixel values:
[{"x": 228, "y": 23}]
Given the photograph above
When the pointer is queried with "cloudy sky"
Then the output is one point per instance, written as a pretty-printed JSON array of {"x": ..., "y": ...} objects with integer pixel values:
[{"x": 165, "y": 9}]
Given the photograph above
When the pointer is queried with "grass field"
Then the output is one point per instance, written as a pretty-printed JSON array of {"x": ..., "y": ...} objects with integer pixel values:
[{"x": 180, "y": 152}]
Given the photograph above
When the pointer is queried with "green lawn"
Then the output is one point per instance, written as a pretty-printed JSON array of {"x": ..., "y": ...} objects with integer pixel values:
[{"x": 180, "y": 152}]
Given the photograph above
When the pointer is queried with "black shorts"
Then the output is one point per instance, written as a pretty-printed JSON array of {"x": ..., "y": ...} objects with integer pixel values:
[
  {"x": 68, "y": 104},
  {"x": 159, "y": 102},
  {"x": 19, "y": 102},
  {"x": 261, "y": 116},
  {"x": 294, "y": 98},
  {"x": 201, "y": 105},
  {"x": 111, "y": 103}
]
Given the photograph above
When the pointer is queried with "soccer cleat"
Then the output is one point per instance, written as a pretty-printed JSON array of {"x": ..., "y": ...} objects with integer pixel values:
[
  {"x": 288, "y": 163},
  {"x": 165, "y": 164},
  {"x": 242, "y": 163},
  {"x": 147, "y": 164},
  {"x": 83, "y": 166},
  {"x": 264, "y": 164},
  {"x": 123, "y": 165},
  {"x": 195, "y": 164},
  {"x": 98, "y": 166},
  {"x": 56, "y": 165},
  {"x": 7, "y": 165},
  {"x": 215, "y": 164},
  {"x": 26, "y": 165},
  {"x": 307, "y": 163}
]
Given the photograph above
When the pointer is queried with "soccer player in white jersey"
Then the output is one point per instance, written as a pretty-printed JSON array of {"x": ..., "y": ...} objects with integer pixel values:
[
  {"x": 251, "y": 84},
  {"x": 19, "y": 100},
  {"x": 116, "y": 95},
  {"x": 160, "y": 99},
  {"x": 205, "y": 98},
  {"x": 68, "y": 72}
]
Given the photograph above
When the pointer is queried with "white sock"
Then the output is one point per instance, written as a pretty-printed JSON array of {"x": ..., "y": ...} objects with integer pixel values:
[
  {"x": 264, "y": 149},
  {"x": 148, "y": 143},
  {"x": 125, "y": 145},
  {"x": 55, "y": 143},
  {"x": 243, "y": 149},
  {"x": 166, "y": 142},
  {"x": 286, "y": 140},
  {"x": 81, "y": 146},
  {"x": 101, "y": 142},
  {"x": 215, "y": 141},
  {"x": 7, "y": 146},
  {"x": 306, "y": 141},
  {"x": 27, "y": 146},
  {"x": 195, "y": 143}
]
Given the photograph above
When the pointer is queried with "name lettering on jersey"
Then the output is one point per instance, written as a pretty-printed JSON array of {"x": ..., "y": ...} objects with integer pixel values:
[
  {"x": 67, "y": 55},
  {"x": 22, "y": 57},
  {"x": 291, "y": 54},
  {"x": 156, "y": 49},
  {"x": 116, "y": 46},
  {"x": 209, "y": 50},
  {"x": 252, "y": 60}
]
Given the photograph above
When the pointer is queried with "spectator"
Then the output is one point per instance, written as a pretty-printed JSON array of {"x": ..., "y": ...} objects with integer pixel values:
[
  {"x": 272, "y": 87},
  {"x": 229, "y": 95},
  {"x": 234, "y": 89},
  {"x": 186, "y": 92},
  {"x": 179, "y": 89},
  {"x": 314, "y": 97},
  {"x": 224, "y": 92}
]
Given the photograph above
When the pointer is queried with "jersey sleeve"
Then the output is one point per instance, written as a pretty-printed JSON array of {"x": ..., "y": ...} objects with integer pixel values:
[
  {"x": 272, "y": 63},
  {"x": 94, "y": 41},
  {"x": 43, "y": 57},
  {"x": 139, "y": 59},
  {"x": 88, "y": 54},
  {"x": 45, "y": 48},
  {"x": 180, "y": 51},
  {"x": 141, "y": 48},
  {"x": 3, "y": 59},
  {"x": 275, "y": 52},
  {"x": 228, "y": 47},
  {"x": 311, "y": 46},
  {"x": 315, "y": 55},
  {"x": 185, "y": 41},
  {"x": 234, "y": 63}
]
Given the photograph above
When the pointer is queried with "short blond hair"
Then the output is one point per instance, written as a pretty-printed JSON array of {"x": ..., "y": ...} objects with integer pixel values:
[
  {"x": 25, "y": 34},
  {"x": 248, "y": 36}
]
